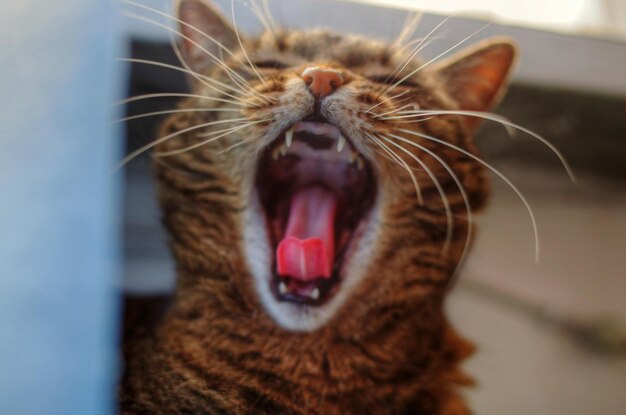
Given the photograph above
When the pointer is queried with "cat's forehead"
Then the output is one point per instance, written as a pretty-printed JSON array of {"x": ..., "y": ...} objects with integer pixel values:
[{"x": 314, "y": 45}]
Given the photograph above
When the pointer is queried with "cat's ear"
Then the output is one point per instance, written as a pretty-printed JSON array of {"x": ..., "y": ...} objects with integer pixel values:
[
  {"x": 203, "y": 26},
  {"x": 477, "y": 78}
]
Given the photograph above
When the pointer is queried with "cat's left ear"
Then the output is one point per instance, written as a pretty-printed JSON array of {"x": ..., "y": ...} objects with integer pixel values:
[
  {"x": 477, "y": 78},
  {"x": 205, "y": 32}
]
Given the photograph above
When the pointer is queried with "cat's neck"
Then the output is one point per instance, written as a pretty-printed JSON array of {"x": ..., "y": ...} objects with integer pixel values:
[{"x": 403, "y": 365}]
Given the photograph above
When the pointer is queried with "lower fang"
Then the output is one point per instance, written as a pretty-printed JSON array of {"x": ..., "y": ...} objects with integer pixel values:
[
  {"x": 282, "y": 288},
  {"x": 315, "y": 294}
]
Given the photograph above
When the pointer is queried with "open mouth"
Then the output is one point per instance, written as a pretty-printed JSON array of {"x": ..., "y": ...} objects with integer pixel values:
[{"x": 316, "y": 190}]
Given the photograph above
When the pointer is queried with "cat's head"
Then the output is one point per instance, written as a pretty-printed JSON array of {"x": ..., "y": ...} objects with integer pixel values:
[{"x": 331, "y": 175}]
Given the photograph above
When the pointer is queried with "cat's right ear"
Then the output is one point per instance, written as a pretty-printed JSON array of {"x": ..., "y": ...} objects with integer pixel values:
[{"x": 205, "y": 32}]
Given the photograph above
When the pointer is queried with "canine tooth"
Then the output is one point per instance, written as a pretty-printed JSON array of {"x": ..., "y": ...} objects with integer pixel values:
[
  {"x": 283, "y": 150},
  {"x": 341, "y": 143},
  {"x": 289, "y": 137},
  {"x": 359, "y": 163},
  {"x": 275, "y": 153},
  {"x": 282, "y": 288},
  {"x": 315, "y": 294},
  {"x": 352, "y": 156}
]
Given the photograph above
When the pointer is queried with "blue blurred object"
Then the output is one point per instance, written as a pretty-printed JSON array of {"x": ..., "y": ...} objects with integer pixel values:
[{"x": 59, "y": 236}]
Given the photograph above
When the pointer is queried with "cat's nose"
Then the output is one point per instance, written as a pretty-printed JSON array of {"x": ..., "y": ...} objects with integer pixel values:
[{"x": 322, "y": 81}]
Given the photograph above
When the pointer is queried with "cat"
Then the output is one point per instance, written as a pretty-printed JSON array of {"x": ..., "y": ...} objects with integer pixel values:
[{"x": 317, "y": 189}]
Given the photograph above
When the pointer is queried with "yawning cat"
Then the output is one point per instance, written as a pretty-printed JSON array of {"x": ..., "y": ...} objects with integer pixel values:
[{"x": 318, "y": 189}]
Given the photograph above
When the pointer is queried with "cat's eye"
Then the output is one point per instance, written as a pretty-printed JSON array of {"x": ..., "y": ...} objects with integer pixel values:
[
  {"x": 270, "y": 64},
  {"x": 390, "y": 79}
]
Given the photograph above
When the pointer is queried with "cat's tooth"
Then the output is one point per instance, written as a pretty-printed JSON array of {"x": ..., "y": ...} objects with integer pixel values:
[
  {"x": 315, "y": 294},
  {"x": 289, "y": 137},
  {"x": 282, "y": 288},
  {"x": 275, "y": 153},
  {"x": 283, "y": 150},
  {"x": 341, "y": 143},
  {"x": 352, "y": 156},
  {"x": 359, "y": 163}
]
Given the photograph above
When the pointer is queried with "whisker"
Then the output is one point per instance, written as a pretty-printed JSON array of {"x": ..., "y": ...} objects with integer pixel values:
[
  {"x": 412, "y": 73},
  {"x": 468, "y": 209},
  {"x": 232, "y": 8},
  {"x": 202, "y": 143},
  {"x": 268, "y": 14},
  {"x": 490, "y": 167},
  {"x": 424, "y": 119},
  {"x": 188, "y": 71},
  {"x": 408, "y": 28},
  {"x": 388, "y": 99},
  {"x": 403, "y": 163},
  {"x": 234, "y": 76},
  {"x": 425, "y": 41},
  {"x": 510, "y": 126},
  {"x": 182, "y": 22},
  {"x": 176, "y": 94},
  {"x": 156, "y": 142},
  {"x": 176, "y": 111},
  {"x": 444, "y": 198},
  {"x": 221, "y": 47},
  {"x": 240, "y": 121},
  {"x": 413, "y": 105},
  {"x": 264, "y": 16}
]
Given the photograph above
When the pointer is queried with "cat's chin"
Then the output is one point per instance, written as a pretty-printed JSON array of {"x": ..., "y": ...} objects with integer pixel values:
[{"x": 309, "y": 228}]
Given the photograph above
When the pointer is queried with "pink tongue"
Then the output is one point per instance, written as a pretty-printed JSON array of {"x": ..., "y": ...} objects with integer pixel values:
[{"x": 307, "y": 250}]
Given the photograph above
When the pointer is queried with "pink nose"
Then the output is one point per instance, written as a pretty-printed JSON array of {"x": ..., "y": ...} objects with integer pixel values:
[{"x": 322, "y": 81}]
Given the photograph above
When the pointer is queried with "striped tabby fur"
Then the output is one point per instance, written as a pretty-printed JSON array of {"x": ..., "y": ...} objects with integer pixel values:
[{"x": 389, "y": 349}]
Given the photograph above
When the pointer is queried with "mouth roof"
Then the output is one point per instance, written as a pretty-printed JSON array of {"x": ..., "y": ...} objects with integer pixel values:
[{"x": 315, "y": 189}]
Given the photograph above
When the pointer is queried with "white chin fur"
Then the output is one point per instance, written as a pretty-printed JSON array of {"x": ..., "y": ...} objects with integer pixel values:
[{"x": 296, "y": 317}]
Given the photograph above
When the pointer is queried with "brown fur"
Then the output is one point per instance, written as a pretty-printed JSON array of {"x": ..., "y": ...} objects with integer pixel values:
[{"x": 390, "y": 348}]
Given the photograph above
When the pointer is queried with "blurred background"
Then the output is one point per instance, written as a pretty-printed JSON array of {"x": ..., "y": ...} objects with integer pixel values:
[{"x": 550, "y": 335}]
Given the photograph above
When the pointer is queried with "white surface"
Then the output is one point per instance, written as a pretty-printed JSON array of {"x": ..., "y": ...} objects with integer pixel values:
[
  {"x": 598, "y": 17},
  {"x": 524, "y": 367}
]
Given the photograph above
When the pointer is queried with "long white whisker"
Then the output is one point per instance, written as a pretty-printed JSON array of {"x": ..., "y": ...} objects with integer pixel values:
[
  {"x": 468, "y": 209},
  {"x": 444, "y": 198},
  {"x": 239, "y": 121},
  {"x": 189, "y": 72},
  {"x": 268, "y": 14},
  {"x": 414, "y": 53},
  {"x": 176, "y": 111},
  {"x": 259, "y": 14},
  {"x": 234, "y": 76},
  {"x": 394, "y": 111},
  {"x": 176, "y": 94},
  {"x": 510, "y": 125},
  {"x": 156, "y": 142},
  {"x": 388, "y": 99},
  {"x": 490, "y": 167},
  {"x": 205, "y": 142},
  {"x": 399, "y": 159},
  {"x": 428, "y": 113},
  {"x": 222, "y": 48},
  {"x": 408, "y": 28},
  {"x": 182, "y": 22},
  {"x": 232, "y": 8},
  {"x": 202, "y": 79},
  {"x": 412, "y": 73}
]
